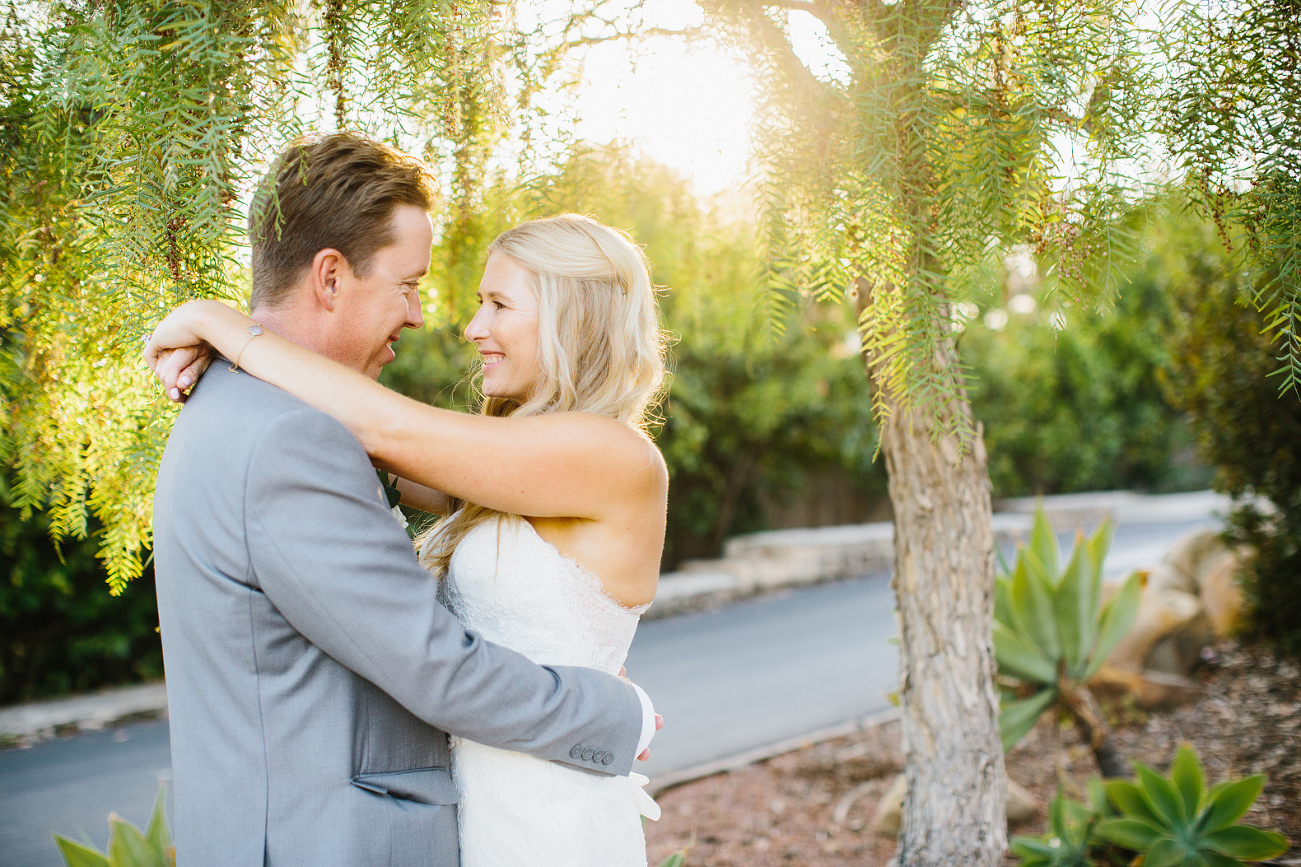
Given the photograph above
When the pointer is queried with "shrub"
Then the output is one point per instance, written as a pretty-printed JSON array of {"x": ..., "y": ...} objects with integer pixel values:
[
  {"x": 62, "y": 630},
  {"x": 1222, "y": 375}
]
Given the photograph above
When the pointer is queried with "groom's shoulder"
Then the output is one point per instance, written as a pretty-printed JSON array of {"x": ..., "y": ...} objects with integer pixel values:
[{"x": 232, "y": 406}]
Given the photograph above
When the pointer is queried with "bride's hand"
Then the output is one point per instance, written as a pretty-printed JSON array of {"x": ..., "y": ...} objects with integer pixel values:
[
  {"x": 179, "y": 369},
  {"x": 176, "y": 351}
]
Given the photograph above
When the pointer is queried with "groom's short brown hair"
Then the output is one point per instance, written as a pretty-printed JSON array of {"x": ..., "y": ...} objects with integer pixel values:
[{"x": 337, "y": 191}]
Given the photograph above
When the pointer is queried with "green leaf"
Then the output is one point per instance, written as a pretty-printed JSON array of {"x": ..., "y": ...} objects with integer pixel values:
[
  {"x": 157, "y": 831},
  {"x": 1020, "y": 658},
  {"x": 1190, "y": 782},
  {"x": 1043, "y": 541},
  {"x": 1003, "y": 611},
  {"x": 1133, "y": 834},
  {"x": 1016, "y": 718},
  {"x": 1118, "y": 617},
  {"x": 1130, "y": 800},
  {"x": 1032, "y": 599},
  {"x": 1070, "y": 603},
  {"x": 1162, "y": 795},
  {"x": 1165, "y": 853},
  {"x": 127, "y": 847},
  {"x": 1246, "y": 843},
  {"x": 77, "y": 855},
  {"x": 1230, "y": 801},
  {"x": 674, "y": 860},
  {"x": 1099, "y": 544}
]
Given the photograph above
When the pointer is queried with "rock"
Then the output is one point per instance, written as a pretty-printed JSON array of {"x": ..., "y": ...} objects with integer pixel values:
[
  {"x": 1021, "y": 807},
  {"x": 1149, "y": 689},
  {"x": 1191, "y": 555},
  {"x": 889, "y": 810},
  {"x": 1221, "y": 594},
  {"x": 1161, "y": 613}
]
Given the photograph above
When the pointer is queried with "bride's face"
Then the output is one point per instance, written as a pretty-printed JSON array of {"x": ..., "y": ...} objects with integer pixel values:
[{"x": 505, "y": 330}]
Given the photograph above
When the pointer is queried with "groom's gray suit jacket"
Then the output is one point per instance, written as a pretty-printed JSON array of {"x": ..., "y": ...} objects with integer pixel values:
[{"x": 310, "y": 672}]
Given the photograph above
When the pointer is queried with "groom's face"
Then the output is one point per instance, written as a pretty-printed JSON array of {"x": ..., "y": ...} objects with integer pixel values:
[{"x": 371, "y": 311}]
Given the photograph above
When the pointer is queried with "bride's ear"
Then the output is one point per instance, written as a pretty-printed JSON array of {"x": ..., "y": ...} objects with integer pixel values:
[{"x": 328, "y": 266}]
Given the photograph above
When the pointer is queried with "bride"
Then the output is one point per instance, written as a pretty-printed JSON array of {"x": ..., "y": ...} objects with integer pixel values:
[{"x": 556, "y": 498}]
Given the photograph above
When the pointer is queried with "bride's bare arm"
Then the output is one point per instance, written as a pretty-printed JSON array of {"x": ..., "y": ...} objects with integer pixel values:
[
  {"x": 555, "y": 465},
  {"x": 423, "y": 497}
]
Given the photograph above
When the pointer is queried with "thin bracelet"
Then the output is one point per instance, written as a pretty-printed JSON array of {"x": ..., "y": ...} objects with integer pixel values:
[{"x": 254, "y": 331}]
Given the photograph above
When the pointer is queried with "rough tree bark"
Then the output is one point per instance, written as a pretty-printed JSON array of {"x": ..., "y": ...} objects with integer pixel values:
[{"x": 955, "y": 810}]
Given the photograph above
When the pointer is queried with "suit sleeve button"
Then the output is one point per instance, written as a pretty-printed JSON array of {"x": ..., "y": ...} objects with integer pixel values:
[
  {"x": 607, "y": 759},
  {"x": 587, "y": 755},
  {"x": 576, "y": 752}
]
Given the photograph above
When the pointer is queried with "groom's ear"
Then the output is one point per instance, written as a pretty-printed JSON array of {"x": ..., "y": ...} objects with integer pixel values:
[{"x": 328, "y": 267}]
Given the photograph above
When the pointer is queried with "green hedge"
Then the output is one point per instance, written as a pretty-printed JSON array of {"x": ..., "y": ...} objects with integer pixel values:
[{"x": 62, "y": 631}]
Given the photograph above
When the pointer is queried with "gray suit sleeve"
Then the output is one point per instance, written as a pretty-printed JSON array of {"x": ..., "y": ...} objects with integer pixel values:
[{"x": 329, "y": 555}]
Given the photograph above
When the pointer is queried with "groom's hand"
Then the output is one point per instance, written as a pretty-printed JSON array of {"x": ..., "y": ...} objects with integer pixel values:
[{"x": 659, "y": 724}]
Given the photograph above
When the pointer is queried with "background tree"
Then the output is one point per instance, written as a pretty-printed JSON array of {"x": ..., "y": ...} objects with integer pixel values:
[{"x": 948, "y": 127}]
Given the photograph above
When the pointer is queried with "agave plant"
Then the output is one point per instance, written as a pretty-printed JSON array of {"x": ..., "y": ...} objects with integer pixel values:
[
  {"x": 127, "y": 846},
  {"x": 1052, "y": 633},
  {"x": 1177, "y": 821},
  {"x": 1069, "y": 841}
]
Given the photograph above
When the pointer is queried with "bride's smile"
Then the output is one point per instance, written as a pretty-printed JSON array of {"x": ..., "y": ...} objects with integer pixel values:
[{"x": 505, "y": 330}]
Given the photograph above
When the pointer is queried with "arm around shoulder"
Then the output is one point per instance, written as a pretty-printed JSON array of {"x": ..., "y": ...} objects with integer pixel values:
[{"x": 329, "y": 555}]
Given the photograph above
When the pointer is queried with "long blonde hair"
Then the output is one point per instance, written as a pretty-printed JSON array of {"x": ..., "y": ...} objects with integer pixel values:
[{"x": 600, "y": 347}]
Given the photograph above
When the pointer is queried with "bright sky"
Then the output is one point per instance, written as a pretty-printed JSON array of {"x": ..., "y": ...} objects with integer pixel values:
[{"x": 688, "y": 106}]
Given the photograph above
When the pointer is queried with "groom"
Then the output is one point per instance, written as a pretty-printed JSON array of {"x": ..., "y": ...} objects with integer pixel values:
[{"x": 311, "y": 674}]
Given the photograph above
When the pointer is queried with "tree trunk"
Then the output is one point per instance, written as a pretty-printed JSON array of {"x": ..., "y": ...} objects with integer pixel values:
[{"x": 955, "y": 810}]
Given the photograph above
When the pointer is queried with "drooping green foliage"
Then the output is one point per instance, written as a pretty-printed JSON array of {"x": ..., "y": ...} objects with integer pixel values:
[
  {"x": 1232, "y": 118},
  {"x": 127, "y": 846},
  {"x": 131, "y": 131},
  {"x": 1176, "y": 820},
  {"x": 950, "y": 127},
  {"x": 1052, "y": 632}
]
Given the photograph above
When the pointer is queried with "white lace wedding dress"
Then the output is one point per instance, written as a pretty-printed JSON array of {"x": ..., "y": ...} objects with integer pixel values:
[{"x": 515, "y": 589}]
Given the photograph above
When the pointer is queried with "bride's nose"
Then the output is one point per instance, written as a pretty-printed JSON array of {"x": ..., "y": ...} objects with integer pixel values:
[{"x": 476, "y": 330}]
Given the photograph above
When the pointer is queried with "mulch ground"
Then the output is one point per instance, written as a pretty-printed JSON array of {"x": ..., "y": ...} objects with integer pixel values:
[{"x": 814, "y": 806}]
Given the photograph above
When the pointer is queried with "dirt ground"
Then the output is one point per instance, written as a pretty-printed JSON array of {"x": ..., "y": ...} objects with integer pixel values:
[{"x": 814, "y": 806}]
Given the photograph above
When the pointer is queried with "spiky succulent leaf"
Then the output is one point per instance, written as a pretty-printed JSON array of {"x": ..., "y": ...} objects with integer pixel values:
[
  {"x": 1189, "y": 781},
  {"x": 1021, "y": 658},
  {"x": 126, "y": 845},
  {"x": 77, "y": 855},
  {"x": 156, "y": 833},
  {"x": 1162, "y": 795},
  {"x": 1099, "y": 544},
  {"x": 1032, "y": 599},
  {"x": 1166, "y": 853},
  {"x": 1130, "y": 800},
  {"x": 1017, "y": 717},
  {"x": 1003, "y": 611},
  {"x": 1246, "y": 843},
  {"x": 1229, "y": 801},
  {"x": 1043, "y": 541},
  {"x": 1117, "y": 618},
  {"x": 1075, "y": 622},
  {"x": 1136, "y": 834}
]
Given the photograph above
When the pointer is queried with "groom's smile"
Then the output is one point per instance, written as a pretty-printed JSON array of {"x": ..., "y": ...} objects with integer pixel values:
[{"x": 372, "y": 310}]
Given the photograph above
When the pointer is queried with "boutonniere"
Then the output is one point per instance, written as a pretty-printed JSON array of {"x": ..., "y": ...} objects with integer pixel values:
[{"x": 393, "y": 496}]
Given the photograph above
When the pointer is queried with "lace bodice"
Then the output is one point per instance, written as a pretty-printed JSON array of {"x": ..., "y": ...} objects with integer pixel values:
[{"x": 514, "y": 588}]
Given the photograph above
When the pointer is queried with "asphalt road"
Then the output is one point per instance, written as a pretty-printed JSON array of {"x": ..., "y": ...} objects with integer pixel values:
[{"x": 727, "y": 681}]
